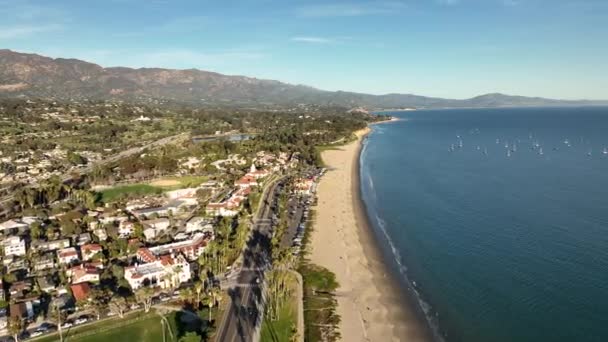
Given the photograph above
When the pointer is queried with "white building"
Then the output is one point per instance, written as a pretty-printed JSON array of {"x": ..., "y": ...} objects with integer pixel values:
[
  {"x": 198, "y": 224},
  {"x": 164, "y": 271},
  {"x": 191, "y": 248},
  {"x": 155, "y": 228},
  {"x": 14, "y": 245},
  {"x": 67, "y": 255}
]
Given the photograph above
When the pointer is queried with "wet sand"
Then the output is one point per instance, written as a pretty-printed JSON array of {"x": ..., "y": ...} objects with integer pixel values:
[{"x": 370, "y": 303}]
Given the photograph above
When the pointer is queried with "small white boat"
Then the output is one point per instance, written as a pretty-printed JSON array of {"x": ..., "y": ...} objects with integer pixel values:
[
  {"x": 540, "y": 151},
  {"x": 605, "y": 151}
]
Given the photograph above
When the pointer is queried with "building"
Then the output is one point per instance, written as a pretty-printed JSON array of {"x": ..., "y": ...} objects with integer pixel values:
[
  {"x": 46, "y": 284},
  {"x": 191, "y": 248},
  {"x": 164, "y": 271},
  {"x": 14, "y": 245},
  {"x": 126, "y": 229},
  {"x": 68, "y": 255},
  {"x": 88, "y": 251},
  {"x": 199, "y": 224},
  {"x": 83, "y": 273},
  {"x": 12, "y": 226},
  {"x": 81, "y": 291},
  {"x": 44, "y": 262},
  {"x": 45, "y": 246},
  {"x": 220, "y": 209},
  {"x": 20, "y": 288},
  {"x": 101, "y": 234},
  {"x": 246, "y": 181},
  {"x": 23, "y": 310},
  {"x": 155, "y": 228}
]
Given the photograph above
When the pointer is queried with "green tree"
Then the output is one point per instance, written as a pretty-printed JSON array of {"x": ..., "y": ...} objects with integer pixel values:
[
  {"x": 15, "y": 326},
  {"x": 190, "y": 337},
  {"x": 144, "y": 296}
]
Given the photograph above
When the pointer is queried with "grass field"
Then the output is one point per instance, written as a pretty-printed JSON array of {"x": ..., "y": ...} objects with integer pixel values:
[
  {"x": 155, "y": 187},
  {"x": 281, "y": 330},
  {"x": 134, "y": 327},
  {"x": 115, "y": 193},
  {"x": 179, "y": 182}
]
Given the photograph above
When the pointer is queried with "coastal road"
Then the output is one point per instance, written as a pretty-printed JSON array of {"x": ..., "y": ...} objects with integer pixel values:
[{"x": 243, "y": 315}]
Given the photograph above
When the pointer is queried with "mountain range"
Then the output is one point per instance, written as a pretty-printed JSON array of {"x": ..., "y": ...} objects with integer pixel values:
[{"x": 35, "y": 76}]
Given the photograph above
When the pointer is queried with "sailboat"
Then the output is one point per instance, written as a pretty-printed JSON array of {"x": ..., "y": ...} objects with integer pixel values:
[
  {"x": 540, "y": 151},
  {"x": 605, "y": 151}
]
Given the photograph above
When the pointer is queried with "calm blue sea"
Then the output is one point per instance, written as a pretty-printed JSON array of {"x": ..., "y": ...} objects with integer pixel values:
[{"x": 502, "y": 242}]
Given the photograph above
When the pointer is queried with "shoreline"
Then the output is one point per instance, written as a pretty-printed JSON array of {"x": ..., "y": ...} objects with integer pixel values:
[{"x": 370, "y": 302}]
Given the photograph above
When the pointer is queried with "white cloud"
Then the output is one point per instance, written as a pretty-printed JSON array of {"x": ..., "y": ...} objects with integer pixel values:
[{"x": 313, "y": 40}]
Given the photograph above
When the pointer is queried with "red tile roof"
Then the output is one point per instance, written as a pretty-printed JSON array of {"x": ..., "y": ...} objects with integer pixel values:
[{"x": 80, "y": 291}]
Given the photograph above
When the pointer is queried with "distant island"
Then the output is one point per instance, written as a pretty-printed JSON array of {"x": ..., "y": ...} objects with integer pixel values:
[{"x": 35, "y": 76}]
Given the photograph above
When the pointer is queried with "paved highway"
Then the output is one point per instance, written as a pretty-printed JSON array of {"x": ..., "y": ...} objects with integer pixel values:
[{"x": 245, "y": 294}]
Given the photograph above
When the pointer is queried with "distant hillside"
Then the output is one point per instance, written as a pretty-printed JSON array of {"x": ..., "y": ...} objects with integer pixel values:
[{"x": 38, "y": 76}]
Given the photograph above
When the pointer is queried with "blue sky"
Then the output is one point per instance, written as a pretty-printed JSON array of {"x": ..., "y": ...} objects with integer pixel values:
[{"x": 445, "y": 48}]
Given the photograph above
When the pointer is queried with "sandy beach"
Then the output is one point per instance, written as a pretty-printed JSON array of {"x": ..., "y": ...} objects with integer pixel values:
[{"x": 369, "y": 303}]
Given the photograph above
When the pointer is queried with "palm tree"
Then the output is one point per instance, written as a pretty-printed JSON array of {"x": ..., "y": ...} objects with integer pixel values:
[
  {"x": 144, "y": 296},
  {"x": 58, "y": 316},
  {"x": 199, "y": 287},
  {"x": 15, "y": 326},
  {"x": 118, "y": 305}
]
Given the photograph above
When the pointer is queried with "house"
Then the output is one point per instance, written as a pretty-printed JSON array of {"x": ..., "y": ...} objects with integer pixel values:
[
  {"x": 17, "y": 264},
  {"x": 197, "y": 224},
  {"x": 83, "y": 273},
  {"x": 20, "y": 288},
  {"x": 90, "y": 250},
  {"x": 83, "y": 239},
  {"x": 220, "y": 209},
  {"x": 126, "y": 229},
  {"x": 165, "y": 210},
  {"x": 14, "y": 245},
  {"x": 164, "y": 271},
  {"x": 23, "y": 310},
  {"x": 12, "y": 226},
  {"x": 191, "y": 248},
  {"x": 155, "y": 228},
  {"x": 246, "y": 182},
  {"x": 45, "y": 246},
  {"x": 44, "y": 262},
  {"x": 67, "y": 255},
  {"x": 46, "y": 284},
  {"x": 101, "y": 234},
  {"x": 257, "y": 174},
  {"x": 80, "y": 291}
]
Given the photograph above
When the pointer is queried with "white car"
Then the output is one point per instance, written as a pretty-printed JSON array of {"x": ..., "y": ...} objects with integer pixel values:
[
  {"x": 80, "y": 320},
  {"x": 66, "y": 325}
]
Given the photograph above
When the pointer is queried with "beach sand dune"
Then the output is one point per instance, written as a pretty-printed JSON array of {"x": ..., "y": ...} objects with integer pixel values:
[{"x": 369, "y": 303}]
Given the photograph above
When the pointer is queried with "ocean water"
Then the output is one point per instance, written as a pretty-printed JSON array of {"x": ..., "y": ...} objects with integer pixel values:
[{"x": 500, "y": 243}]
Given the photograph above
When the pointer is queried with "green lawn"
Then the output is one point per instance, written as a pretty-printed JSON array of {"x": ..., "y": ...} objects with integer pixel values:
[
  {"x": 134, "y": 327},
  {"x": 281, "y": 330},
  {"x": 115, "y": 193}
]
